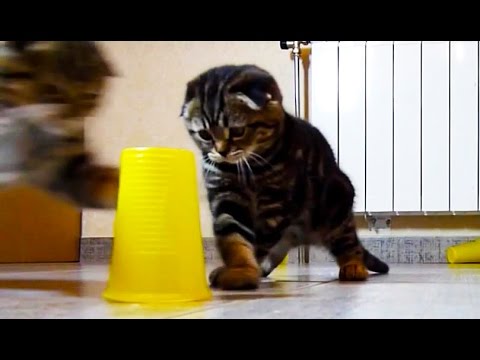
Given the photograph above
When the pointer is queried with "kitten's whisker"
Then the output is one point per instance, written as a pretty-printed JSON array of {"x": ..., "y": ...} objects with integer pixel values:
[
  {"x": 256, "y": 161},
  {"x": 206, "y": 172},
  {"x": 205, "y": 158},
  {"x": 249, "y": 168},
  {"x": 238, "y": 173},
  {"x": 245, "y": 174},
  {"x": 242, "y": 174},
  {"x": 258, "y": 157},
  {"x": 208, "y": 169}
]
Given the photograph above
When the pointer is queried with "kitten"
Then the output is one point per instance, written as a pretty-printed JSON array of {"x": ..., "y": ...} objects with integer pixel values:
[
  {"x": 272, "y": 179},
  {"x": 47, "y": 89}
]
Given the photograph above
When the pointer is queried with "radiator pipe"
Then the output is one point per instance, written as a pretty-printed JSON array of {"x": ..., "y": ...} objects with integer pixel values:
[{"x": 296, "y": 47}]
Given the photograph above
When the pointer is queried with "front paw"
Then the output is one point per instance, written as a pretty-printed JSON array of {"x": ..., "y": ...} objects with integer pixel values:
[
  {"x": 100, "y": 187},
  {"x": 235, "y": 278},
  {"x": 353, "y": 272}
]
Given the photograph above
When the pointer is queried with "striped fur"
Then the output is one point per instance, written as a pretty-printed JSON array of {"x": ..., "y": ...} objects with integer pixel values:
[
  {"x": 47, "y": 89},
  {"x": 272, "y": 179}
]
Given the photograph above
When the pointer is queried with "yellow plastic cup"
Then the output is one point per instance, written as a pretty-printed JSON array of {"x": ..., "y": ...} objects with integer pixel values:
[
  {"x": 157, "y": 254},
  {"x": 468, "y": 252},
  {"x": 284, "y": 262}
]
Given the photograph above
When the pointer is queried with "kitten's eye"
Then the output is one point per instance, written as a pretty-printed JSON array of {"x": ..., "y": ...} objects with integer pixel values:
[
  {"x": 237, "y": 132},
  {"x": 204, "y": 135}
]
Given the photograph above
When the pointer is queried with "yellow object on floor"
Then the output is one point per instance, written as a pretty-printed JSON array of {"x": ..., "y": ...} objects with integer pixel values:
[
  {"x": 157, "y": 253},
  {"x": 284, "y": 261},
  {"x": 468, "y": 252}
]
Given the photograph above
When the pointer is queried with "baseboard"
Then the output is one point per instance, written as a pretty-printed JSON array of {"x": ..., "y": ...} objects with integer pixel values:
[{"x": 393, "y": 250}]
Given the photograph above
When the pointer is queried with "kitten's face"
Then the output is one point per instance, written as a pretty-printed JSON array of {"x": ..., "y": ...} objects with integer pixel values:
[
  {"x": 233, "y": 112},
  {"x": 71, "y": 74},
  {"x": 47, "y": 88}
]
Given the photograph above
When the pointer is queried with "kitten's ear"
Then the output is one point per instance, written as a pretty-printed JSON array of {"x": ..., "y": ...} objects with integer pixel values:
[
  {"x": 107, "y": 69},
  {"x": 189, "y": 98},
  {"x": 106, "y": 66},
  {"x": 255, "y": 88},
  {"x": 88, "y": 53}
]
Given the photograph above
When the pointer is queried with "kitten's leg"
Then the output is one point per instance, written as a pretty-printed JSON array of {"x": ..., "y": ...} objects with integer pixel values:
[
  {"x": 292, "y": 237},
  {"x": 344, "y": 245},
  {"x": 342, "y": 239},
  {"x": 241, "y": 270},
  {"x": 96, "y": 187},
  {"x": 348, "y": 253},
  {"x": 88, "y": 185},
  {"x": 352, "y": 258}
]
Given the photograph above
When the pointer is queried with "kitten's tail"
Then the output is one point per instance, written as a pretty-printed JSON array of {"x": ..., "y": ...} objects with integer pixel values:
[{"x": 374, "y": 264}]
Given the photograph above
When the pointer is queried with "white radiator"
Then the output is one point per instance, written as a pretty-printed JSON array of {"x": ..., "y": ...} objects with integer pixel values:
[{"x": 403, "y": 119}]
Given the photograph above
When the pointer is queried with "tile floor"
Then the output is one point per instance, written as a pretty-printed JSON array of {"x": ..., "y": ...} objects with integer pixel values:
[{"x": 409, "y": 291}]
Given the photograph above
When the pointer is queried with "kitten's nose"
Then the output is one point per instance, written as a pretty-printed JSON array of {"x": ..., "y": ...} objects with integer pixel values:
[
  {"x": 223, "y": 152},
  {"x": 222, "y": 147}
]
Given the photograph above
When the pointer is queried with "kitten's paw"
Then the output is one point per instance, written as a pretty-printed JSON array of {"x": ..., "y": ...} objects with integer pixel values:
[
  {"x": 353, "y": 272},
  {"x": 235, "y": 278},
  {"x": 102, "y": 186},
  {"x": 212, "y": 277}
]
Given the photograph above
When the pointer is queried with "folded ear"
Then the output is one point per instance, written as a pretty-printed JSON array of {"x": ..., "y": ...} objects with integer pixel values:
[
  {"x": 108, "y": 69},
  {"x": 85, "y": 54},
  {"x": 67, "y": 51},
  {"x": 255, "y": 88},
  {"x": 188, "y": 98},
  {"x": 106, "y": 66}
]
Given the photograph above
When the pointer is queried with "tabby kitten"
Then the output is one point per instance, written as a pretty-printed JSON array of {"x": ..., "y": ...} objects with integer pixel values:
[
  {"x": 271, "y": 178},
  {"x": 47, "y": 89}
]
